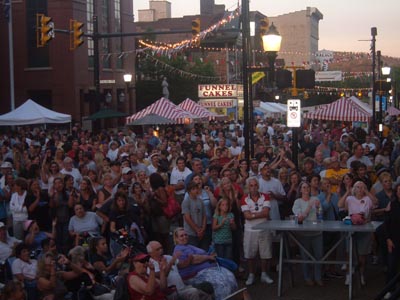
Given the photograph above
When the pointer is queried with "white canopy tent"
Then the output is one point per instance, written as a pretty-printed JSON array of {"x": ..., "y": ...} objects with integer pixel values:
[{"x": 32, "y": 113}]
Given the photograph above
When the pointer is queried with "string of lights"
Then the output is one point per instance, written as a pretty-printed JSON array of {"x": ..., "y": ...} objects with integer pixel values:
[{"x": 180, "y": 72}]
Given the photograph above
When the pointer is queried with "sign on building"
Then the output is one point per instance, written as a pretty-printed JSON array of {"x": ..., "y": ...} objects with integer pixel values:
[
  {"x": 218, "y": 103},
  {"x": 219, "y": 90},
  {"x": 328, "y": 76}
]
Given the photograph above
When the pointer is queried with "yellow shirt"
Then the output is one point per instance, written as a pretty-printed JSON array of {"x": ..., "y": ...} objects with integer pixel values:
[{"x": 337, "y": 175}]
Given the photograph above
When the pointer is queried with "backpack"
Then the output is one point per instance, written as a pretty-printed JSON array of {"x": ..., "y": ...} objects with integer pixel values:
[{"x": 121, "y": 288}]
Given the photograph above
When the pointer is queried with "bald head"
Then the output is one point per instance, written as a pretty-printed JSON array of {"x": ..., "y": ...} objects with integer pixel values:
[{"x": 154, "y": 249}]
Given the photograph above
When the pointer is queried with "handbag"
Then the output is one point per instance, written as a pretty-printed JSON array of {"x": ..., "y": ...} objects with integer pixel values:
[
  {"x": 172, "y": 208},
  {"x": 357, "y": 219},
  {"x": 99, "y": 289}
]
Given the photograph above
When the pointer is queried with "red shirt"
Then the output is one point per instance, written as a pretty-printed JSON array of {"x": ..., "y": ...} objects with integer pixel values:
[{"x": 135, "y": 295}]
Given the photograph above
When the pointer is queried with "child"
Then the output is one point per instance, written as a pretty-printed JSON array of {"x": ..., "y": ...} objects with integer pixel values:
[{"x": 223, "y": 224}]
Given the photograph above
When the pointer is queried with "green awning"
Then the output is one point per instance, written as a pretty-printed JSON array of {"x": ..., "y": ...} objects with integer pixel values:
[{"x": 107, "y": 114}]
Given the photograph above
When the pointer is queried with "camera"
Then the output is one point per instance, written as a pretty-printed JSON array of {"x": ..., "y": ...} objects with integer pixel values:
[
  {"x": 35, "y": 253},
  {"x": 123, "y": 237}
]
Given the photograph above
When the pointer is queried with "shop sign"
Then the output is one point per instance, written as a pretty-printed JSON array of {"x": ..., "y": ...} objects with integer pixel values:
[
  {"x": 215, "y": 103},
  {"x": 218, "y": 90}
]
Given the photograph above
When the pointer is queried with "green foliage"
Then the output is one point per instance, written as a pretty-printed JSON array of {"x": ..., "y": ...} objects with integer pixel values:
[
  {"x": 349, "y": 82},
  {"x": 182, "y": 75}
]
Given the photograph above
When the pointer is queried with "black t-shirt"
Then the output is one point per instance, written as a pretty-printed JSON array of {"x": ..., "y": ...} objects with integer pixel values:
[
  {"x": 123, "y": 219},
  {"x": 41, "y": 212}
]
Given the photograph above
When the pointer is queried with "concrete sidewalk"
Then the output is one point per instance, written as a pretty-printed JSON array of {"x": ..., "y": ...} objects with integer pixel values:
[{"x": 334, "y": 288}]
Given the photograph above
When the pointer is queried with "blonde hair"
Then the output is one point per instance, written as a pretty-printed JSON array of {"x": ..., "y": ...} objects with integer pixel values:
[
  {"x": 218, "y": 207},
  {"x": 176, "y": 234},
  {"x": 41, "y": 265}
]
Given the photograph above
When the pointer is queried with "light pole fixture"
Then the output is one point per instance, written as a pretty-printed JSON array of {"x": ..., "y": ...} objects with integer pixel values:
[
  {"x": 383, "y": 88},
  {"x": 272, "y": 44},
  {"x": 108, "y": 97},
  {"x": 127, "y": 80},
  {"x": 386, "y": 71},
  {"x": 121, "y": 97}
]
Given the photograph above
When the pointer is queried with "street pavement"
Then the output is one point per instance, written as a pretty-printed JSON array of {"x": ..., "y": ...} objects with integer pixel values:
[{"x": 333, "y": 289}]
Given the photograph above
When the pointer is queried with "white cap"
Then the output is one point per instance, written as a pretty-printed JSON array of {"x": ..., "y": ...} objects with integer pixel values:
[
  {"x": 126, "y": 170},
  {"x": 6, "y": 164}
]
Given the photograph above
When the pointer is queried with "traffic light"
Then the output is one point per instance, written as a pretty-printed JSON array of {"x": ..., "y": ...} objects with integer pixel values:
[
  {"x": 283, "y": 78},
  {"x": 76, "y": 32},
  {"x": 44, "y": 30},
  {"x": 264, "y": 25},
  {"x": 305, "y": 79},
  {"x": 195, "y": 27}
]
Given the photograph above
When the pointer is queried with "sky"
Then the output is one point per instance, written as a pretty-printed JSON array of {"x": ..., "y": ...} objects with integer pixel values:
[{"x": 344, "y": 24}]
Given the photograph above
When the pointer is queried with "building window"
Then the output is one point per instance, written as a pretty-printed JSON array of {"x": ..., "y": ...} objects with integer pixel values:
[
  {"x": 37, "y": 57},
  {"x": 105, "y": 25},
  {"x": 89, "y": 29},
  {"x": 42, "y": 97},
  {"x": 118, "y": 28}
]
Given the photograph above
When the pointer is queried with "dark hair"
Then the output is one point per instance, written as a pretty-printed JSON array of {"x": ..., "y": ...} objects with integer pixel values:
[
  {"x": 19, "y": 248},
  {"x": 21, "y": 182},
  {"x": 192, "y": 185},
  {"x": 68, "y": 177},
  {"x": 94, "y": 242},
  {"x": 310, "y": 177},
  {"x": 117, "y": 195},
  {"x": 156, "y": 181}
]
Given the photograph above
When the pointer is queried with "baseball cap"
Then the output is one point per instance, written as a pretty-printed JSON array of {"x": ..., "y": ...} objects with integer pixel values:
[
  {"x": 6, "y": 164},
  {"x": 141, "y": 256},
  {"x": 154, "y": 154},
  {"x": 126, "y": 170},
  {"x": 262, "y": 165}
]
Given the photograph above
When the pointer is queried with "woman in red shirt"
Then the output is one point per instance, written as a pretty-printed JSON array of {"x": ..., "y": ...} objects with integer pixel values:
[{"x": 146, "y": 286}]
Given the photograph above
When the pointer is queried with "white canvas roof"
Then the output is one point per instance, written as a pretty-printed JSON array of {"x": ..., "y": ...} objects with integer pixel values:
[{"x": 32, "y": 113}]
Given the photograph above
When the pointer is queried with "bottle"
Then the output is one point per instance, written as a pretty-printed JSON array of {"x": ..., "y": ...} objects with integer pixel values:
[{"x": 320, "y": 214}]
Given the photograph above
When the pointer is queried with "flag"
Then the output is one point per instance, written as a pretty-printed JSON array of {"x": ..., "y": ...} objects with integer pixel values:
[{"x": 256, "y": 76}]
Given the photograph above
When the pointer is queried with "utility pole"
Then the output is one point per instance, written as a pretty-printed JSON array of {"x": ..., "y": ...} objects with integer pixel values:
[
  {"x": 96, "y": 62},
  {"x": 374, "y": 33},
  {"x": 245, "y": 60}
]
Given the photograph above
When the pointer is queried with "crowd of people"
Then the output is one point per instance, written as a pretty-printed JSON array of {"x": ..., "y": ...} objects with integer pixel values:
[{"x": 81, "y": 213}]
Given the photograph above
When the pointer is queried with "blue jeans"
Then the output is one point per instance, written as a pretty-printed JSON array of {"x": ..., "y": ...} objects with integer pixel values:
[
  {"x": 224, "y": 250},
  {"x": 393, "y": 260},
  {"x": 314, "y": 245},
  {"x": 31, "y": 290}
]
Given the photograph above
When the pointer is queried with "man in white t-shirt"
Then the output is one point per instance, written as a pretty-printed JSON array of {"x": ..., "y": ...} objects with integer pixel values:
[
  {"x": 178, "y": 177},
  {"x": 255, "y": 207},
  {"x": 74, "y": 172},
  {"x": 273, "y": 187}
]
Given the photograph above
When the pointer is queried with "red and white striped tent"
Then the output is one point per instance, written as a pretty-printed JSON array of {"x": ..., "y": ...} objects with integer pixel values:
[
  {"x": 164, "y": 108},
  {"x": 340, "y": 110},
  {"x": 393, "y": 111},
  {"x": 198, "y": 110}
]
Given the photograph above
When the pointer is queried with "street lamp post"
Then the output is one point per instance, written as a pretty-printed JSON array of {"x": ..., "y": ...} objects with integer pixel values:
[
  {"x": 272, "y": 44},
  {"x": 127, "y": 80},
  {"x": 374, "y": 33},
  {"x": 248, "y": 128},
  {"x": 385, "y": 72}
]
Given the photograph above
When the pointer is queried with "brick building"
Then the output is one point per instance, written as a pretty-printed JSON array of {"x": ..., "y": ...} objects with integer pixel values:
[
  {"x": 300, "y": 35},
  {"x": 58, "y": 78}
]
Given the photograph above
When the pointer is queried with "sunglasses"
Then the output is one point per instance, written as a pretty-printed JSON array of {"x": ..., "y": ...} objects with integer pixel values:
[
  {"x": 256, "y": 208},
  {"x": 143, "y": 261}
]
